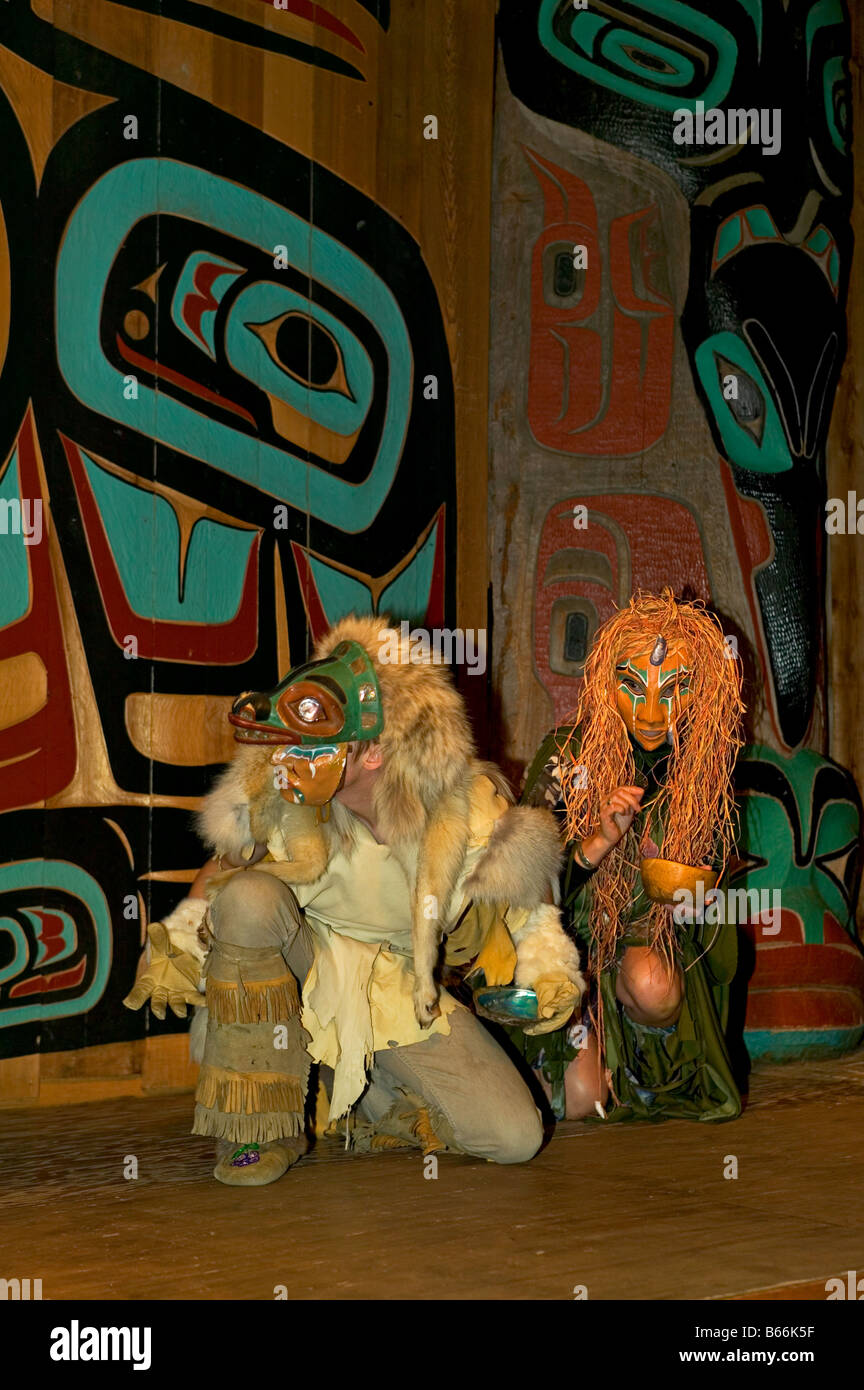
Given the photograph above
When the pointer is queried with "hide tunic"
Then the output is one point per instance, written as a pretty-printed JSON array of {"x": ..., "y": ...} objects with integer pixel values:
[{"x": 358, "y": 996}]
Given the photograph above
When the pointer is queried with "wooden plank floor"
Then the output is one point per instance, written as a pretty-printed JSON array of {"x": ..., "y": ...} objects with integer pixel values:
[{"x": 630, "y": 1212}]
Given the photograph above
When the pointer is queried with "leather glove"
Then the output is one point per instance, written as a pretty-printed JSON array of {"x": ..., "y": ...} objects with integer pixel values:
[
  {"x": 171, "y": 978},
  {"x": 557, "y": 997}
]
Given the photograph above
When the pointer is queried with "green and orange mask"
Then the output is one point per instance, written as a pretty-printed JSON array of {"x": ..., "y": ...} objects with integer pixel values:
[
  {"x": 310, "y": 718},
  {"x": 653, "y": 690}
]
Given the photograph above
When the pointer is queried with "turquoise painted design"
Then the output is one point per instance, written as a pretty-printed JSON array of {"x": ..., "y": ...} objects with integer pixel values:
[
  {"x": 834, "y": 269},
  {"x": 823, "y": 14},
  {"x": 754, "y": 9},
  {"x": 311, "y": 755},
  {"x": 340, "y": 593},
  {"x": 789, "y": 1046},
  {"x": 407, "y": 597},
  {"x": 771, "y": 454},
  {"x": 21, "y": 954},
  {"x": 602, "y": 52},
  {"x": 247, "y": 353},
  {"x": 188, "y": 290},
  {"x": 729, "y": 237},
  {"x": 585, "y": 32},
  {"x": 671, "y": 676},
  {"x": 144, "y": 536},
  {"x": 761, "y": 223},
  {"x": 677, "y": 690},
  {"x": 636, "y": 696},
  {"x": 812, "y": 888},
  {"x": 15, "y": 570},
  {"x": 93, "y": 237},
  {"x": 37, "y": 874},
  {"x": 835, "y": 77},
  {"x": 69, "y": 934},
  {"x": 818, "y": 240}
]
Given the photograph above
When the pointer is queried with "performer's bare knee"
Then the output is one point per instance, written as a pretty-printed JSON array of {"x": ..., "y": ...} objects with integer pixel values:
[{"x": 649, "y": 988}]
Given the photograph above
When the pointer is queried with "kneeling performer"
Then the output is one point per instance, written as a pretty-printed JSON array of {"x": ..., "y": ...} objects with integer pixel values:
[{"x": 353, "y": 831}]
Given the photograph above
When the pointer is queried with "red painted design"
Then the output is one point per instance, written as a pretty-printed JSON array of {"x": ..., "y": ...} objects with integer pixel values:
[
  {"x": 808, "y": 1008},
  {"x": 49, "y": 984},
  {"x": 647, "y": 542},
  {"x": 315, "y": 615},
  {"x": 612, "y": 335},
  {"x": 42, "y": 746},
  {"x": 832, "y": 932},
  {"x": 791, "y": 931},
  {"x": 796, "y": 986},
  {"x": 790, "y": 966},
  {"x": 148, "y": 364},
  {"x": 435, "y": 606},
  {"x": 218, "y": 644},
  {"x": 196, "y": 305},
  {"x": 50, "y": 933},
  {"x": 317, "y": 14},
  {"x": 318, "y": 620}
]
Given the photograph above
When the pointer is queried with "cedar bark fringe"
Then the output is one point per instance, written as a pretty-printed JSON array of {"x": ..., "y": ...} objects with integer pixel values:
[
  {"x": 253, "y": 1001},
  {"x": 248, "y": 1093},
  {"x": 246, "y": 1129}
]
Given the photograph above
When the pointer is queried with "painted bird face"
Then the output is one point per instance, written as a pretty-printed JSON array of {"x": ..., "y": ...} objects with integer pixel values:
[
  {"x": 309, "y": 776},
  {"x": 653, "y": 689}
]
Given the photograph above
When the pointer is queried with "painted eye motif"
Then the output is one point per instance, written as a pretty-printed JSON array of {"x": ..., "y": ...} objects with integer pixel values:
[
  {"x": 306, "y": 350},
  {"x": 310, "y": 710},
  {"x": 632, "y": 685},
  {"x": 742, "y": 396},
  {"x": 654, "y": 62},
  {"x": 564, "y": 283}
]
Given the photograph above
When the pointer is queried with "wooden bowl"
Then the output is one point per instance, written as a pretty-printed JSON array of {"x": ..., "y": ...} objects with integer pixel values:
[{"x": 661, "y": 878}]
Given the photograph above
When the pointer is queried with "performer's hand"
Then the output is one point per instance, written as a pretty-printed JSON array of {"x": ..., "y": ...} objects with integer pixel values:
[
  {"x": 685, "y": 915},
  {"x": 616, "y": 816},
  {"x": 171, "y": 978},
  {"x": 557, "y": 997}
]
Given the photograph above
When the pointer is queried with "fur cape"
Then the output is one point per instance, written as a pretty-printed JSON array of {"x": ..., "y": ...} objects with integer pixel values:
[{"x": 422, "y": 809}]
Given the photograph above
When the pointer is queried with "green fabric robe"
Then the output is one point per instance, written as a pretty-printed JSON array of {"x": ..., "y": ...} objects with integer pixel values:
[{"x": 682, "y": 1072}]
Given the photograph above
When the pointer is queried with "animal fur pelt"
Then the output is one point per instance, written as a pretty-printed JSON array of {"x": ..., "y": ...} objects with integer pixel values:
[
  {"x": 543, "y": 948},
  {"x": 421, "y": 800},
  {"x": 522, "y": 859}
]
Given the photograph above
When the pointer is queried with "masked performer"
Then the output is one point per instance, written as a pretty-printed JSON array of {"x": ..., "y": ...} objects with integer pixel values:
[
  {"x": 352, "y": 830},
  {"x": 643, "y": 782}
]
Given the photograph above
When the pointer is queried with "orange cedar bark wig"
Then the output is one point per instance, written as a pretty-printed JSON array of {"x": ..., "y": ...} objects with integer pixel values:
[{"x": 695, "y": 806}]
